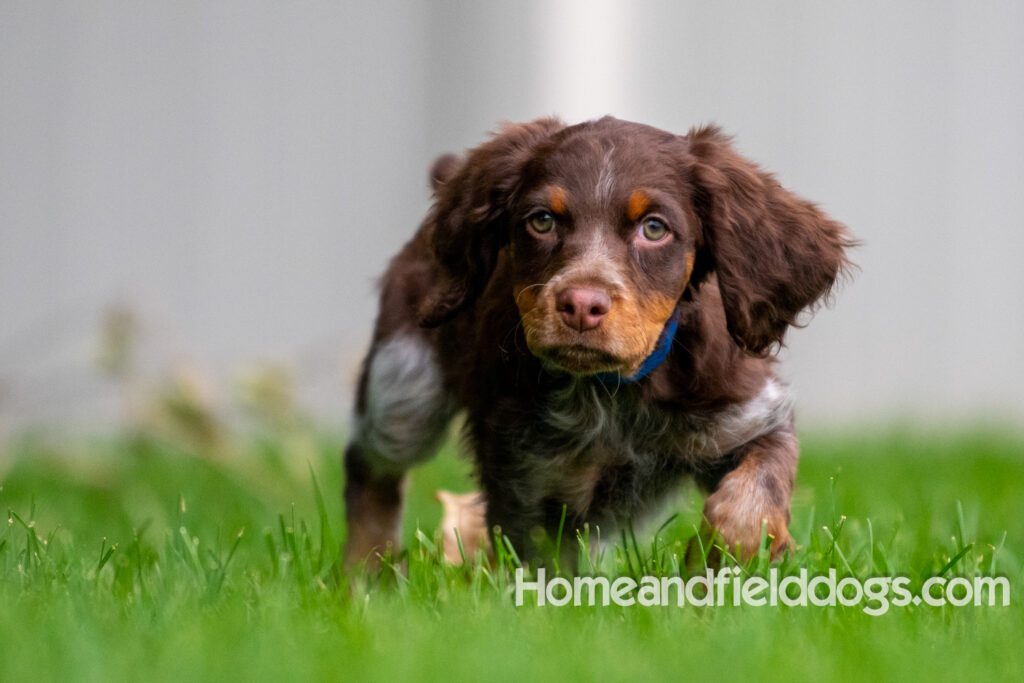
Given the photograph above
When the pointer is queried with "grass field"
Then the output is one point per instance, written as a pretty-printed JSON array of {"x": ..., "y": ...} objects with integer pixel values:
[{"x": 147, "y": 558}]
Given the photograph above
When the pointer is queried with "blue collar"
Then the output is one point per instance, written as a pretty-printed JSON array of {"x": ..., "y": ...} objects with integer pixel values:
[{"x": 657, "y": 357}]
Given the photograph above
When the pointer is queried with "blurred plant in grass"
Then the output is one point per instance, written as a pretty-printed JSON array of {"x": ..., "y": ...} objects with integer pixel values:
[{"x": 184, "y": 405}]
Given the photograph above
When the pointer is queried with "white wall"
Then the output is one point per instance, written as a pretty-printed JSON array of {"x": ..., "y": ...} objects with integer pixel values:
[{"x": 240, "y": 172}]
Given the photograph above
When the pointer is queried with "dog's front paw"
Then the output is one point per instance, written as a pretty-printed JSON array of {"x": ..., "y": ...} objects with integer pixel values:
[
  {"x": 740, "y": 533},
  {"x": 738, "y": 510}
]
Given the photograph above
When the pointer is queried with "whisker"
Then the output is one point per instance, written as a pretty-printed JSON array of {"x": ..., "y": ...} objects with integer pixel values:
[
  {"x": 511, "y": 330},
  {"x": 523, "y": 290}
]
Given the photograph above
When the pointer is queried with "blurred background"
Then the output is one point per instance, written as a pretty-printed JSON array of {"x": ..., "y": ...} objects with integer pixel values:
[{"x": 196, "y": 198}]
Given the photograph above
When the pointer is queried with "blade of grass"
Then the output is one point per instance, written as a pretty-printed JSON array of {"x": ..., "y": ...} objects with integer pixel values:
[
  {"x": 838, "y": 550},
  {"x": 512, "y": 552},
  {"x": 763, "y": 549},
  {"x": 995, "y": 551},
  {"x": 960, "y": 523},
  {"x": 105, "y": 554},
  {"x": 956, "y": 558},
  {"x": 558, "y": 542}
]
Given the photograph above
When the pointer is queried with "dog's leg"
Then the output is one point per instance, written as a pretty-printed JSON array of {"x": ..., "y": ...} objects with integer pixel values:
[
  {"x": 465, "y": 521},
  {"x": 757, "y": 491},
  {"x": 402, "y": 412}
]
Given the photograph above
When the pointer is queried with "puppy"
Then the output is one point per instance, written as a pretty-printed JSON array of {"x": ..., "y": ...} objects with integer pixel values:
[{"x": 602, "y": 301}]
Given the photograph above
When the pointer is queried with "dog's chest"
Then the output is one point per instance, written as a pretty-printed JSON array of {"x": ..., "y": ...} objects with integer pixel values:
[
  {"x": 593, "y": 448},
  {"x": 603, "y": 451}
]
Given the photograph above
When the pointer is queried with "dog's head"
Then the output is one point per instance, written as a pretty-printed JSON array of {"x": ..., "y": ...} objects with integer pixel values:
[{"x": 608, "y": 225}]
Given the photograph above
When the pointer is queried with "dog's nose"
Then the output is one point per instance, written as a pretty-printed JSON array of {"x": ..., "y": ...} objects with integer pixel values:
[{"x": 582, "y": 308}]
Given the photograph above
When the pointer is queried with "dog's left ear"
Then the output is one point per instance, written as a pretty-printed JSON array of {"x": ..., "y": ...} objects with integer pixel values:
[
  {"x": 774, "y": 253},
  {"x": 468, "y": 224}
]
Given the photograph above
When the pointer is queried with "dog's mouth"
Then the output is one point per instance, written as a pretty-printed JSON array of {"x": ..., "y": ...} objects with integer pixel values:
[{"x": 582, "y": 360}]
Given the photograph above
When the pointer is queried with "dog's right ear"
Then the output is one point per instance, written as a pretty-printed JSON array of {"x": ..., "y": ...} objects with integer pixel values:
[{"x": 468, "y": 224}]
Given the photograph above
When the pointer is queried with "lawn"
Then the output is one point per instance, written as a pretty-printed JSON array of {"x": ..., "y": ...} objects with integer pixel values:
[{"x": 150, "y": 557}]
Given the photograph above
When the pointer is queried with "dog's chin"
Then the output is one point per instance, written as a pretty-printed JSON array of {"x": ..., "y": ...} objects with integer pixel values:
[{"x": 580, "y": 360}]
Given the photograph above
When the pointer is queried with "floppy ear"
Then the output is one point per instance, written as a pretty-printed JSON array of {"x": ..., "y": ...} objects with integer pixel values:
[
  {"x": 774, "y": 253},
  {"x": 469, "y": 224}
]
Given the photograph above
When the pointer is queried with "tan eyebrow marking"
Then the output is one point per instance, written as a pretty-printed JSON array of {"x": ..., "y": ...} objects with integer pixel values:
[
  {"x": 638, "y": 203},
  {"x": 556, "y": 198}
]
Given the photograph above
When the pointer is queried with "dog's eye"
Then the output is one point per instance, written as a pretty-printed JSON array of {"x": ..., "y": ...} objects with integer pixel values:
[
  {"x": 542, "y": 222},
  {"x": 653, "y": 229}
]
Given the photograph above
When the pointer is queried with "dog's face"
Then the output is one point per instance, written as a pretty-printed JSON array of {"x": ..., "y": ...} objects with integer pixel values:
[
  {"x": 603, "y": 241},
  {"x": 606, "y": 224}
]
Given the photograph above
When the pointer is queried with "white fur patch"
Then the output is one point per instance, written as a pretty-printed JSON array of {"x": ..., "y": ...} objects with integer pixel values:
[
  {"x": 742, "y": 423},
  {"x": 407, "y": 410},
  {"x": 606, "y": 180}
]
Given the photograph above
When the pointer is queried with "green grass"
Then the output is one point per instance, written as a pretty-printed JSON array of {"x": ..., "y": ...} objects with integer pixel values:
[{"x": 140, "y": 558}]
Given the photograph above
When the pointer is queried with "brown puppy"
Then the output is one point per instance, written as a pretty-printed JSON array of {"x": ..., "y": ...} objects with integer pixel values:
[{"x": 601, "y": 300}]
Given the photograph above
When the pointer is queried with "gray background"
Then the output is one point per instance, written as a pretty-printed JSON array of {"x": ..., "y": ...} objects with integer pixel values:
[{"x": 237, "y": 174}]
